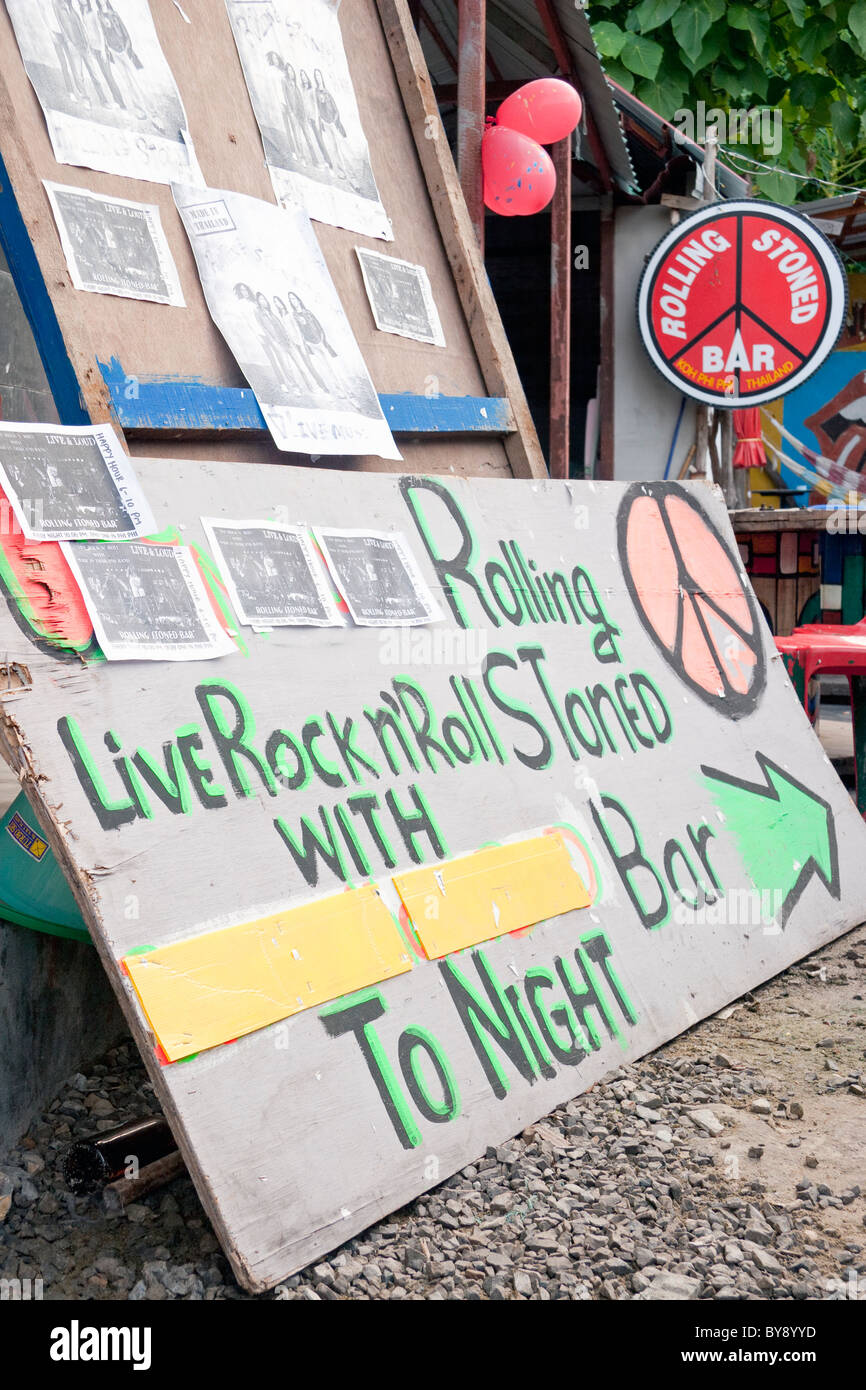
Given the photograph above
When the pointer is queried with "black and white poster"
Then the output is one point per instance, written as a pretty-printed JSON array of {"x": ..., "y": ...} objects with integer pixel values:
[
  {"x": 377, "y": 575},
  {"x": 272, "y": 573},
  {"x": 71, "y": 482},
  {"x": 113, "y": 246},
  {"x": 270, "y": 293},
  {"x": 401, "y": 298},
  {"x": 147, "y": 602},
  {"x": 108, "y": 95},
  {"x": 301, "y": 91}
]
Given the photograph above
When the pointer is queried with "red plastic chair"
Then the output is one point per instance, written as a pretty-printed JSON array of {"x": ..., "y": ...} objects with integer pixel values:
[{"x": 834, "y": 650}]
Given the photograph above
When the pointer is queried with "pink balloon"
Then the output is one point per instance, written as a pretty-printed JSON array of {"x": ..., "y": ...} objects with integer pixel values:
[
  {"x": 546, "y": 110},
  {"x": 519, "y": 177}
]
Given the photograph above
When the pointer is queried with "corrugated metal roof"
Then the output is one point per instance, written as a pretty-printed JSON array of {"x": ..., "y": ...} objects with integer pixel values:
[
  {"x": 518, "y": 48},
  {"x": 639, "y": 117},
  {"x": 843, "y": 220}
]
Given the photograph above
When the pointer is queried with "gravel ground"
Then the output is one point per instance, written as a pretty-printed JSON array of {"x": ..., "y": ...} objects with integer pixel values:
[{"x": 725, "y": 1166}]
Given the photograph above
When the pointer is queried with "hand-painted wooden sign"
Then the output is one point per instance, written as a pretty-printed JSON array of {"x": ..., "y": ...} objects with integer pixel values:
[
  {"x": 741, "y": 301},
  {"x": 375, "y": 898}
]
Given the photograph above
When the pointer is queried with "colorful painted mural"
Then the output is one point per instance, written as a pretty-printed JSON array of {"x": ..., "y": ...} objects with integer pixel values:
[{"x": 827, "y": 413}]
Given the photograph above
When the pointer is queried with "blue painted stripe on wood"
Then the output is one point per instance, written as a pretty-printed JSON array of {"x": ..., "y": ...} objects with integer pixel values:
[
  {"x": 169, "y": 403},
  {"x": 36, "y": 302}
]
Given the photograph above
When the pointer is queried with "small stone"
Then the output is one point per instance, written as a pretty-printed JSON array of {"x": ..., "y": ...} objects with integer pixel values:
[
  {"x": 647, "y": 1098},
  {"x": 644, "y": 1113},
  {"x": 810, "y": 1161},
  {"x": 722, "y": 1061},
  {"x": 522, "y": 1283},
  {"x": 761, "y": 1107},
  {"x": 763, "y": 1259},
  {"x": 756, "y": 1151},
  {"x": 671, "y": 1287},
  {"x": 795, "y": 1110},
  {"x": 706, "y": 1120}
]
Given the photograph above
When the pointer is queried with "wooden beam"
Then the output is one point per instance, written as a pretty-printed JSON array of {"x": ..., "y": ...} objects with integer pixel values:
[
  {"x": 185, "y": 408},
  {"x": 558, "y": 42},
  {"x": 471, "y": 106},
  {"x": 494, "y": 91},
  {"x": 519, "y": 34},
  {"x": 439, "y": 40},
  {"x": 18, "y": 249},
  {"x": 562, "y": 53},
  {"x": 461, "y": 246},
  {"x": 560, "y": 312},
  {"x": 605, "y": 374}
]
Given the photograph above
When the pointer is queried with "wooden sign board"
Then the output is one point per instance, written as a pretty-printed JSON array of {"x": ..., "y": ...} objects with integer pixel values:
[
  {"x": 164, "y": 372},
  {"x": 373, "y": 898}
]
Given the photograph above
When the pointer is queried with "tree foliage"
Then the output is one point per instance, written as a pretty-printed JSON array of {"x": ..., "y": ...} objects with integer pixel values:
[{"x": 803, "y": 58}]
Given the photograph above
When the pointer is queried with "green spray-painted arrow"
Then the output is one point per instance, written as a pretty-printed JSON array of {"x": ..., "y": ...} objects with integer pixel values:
[{"x": 784, "y": 831}]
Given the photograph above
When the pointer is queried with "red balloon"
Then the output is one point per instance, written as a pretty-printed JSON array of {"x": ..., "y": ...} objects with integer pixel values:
[
  {"x": 519, "y": 177},
  {"x": 546, "y": 110}
]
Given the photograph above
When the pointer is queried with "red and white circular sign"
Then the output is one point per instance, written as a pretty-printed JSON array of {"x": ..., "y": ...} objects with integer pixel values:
[{"x": 740, "y": 302}]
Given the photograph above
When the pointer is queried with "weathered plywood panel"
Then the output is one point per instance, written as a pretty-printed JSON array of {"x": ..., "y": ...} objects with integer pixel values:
[
  {"x": 635, "y": 705},
  {"x": 151, "y": 339}
]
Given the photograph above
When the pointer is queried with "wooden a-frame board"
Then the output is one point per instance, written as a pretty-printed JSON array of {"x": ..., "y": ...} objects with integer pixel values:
[
  {"x": 175, "y": 384},
  {"x": 322, "y": 1054}
]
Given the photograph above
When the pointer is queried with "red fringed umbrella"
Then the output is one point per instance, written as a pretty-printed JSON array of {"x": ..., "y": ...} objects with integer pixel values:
[{"x": 749, "y": 451}]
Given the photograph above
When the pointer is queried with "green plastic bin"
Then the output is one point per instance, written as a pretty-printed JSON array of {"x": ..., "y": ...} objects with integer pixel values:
[{"x": 33, "y": 891}]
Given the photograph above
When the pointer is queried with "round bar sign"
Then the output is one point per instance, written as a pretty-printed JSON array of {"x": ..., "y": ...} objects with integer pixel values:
[{"x": 741, "y": 302}]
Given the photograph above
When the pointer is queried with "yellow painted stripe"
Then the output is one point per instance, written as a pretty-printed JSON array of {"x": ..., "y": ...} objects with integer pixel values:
[
  {"x": 485, "y": 895},
  {"x": 219, "y": 985}
]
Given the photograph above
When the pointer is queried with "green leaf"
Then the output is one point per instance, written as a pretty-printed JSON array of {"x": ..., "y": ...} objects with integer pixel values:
[
  {"x": 857, "y": 24},
  {"x": 618, "y": 73},
  {"x": 690, "y": 24},
  {"x": 651, "y": 13},
  {"x": 755, "y": 22},
  {"x": 778, "y": 187},
  {"x": 809, "y": 89},
  {"x": 715, "y": 42},
  {"x": 642, "y": 56},
  {"x": 845, "y": 122},
  {"x": 666, "y": 96},
  {"x": 609, "y": 38},
  {"x": 755, "y": 80},
  {"x": 798, "y": 11},
  {"x": 818, "y": 33},
  {"x": 729, "y": 82}
]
